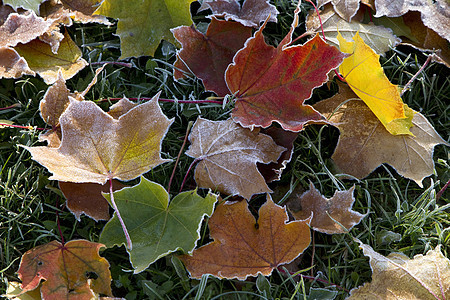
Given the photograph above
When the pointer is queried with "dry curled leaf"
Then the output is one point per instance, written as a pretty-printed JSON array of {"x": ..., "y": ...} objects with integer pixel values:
[
  {"x": 227, "y": 155},
  {"x": 401, "y": 278},
  {"x": 328, "y": 214},
  {"x": 245, "y": 247},
  {"x": 346, "y": 9},
  {"x": 364, "y": 143}
]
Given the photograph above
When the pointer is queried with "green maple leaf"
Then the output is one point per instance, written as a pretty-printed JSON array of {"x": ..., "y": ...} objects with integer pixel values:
[
  {"x": 156, "y": 227},
  {"x": 143, "y": 24}
]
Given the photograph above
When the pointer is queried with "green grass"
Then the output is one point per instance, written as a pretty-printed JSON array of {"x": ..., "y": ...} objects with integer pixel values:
[{"x": 401, "y": 216}]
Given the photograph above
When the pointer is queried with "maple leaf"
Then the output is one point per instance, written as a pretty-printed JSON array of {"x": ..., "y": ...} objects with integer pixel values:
[
  {"x": 365, "y": 76},
  {"x": 87, "y": 7},
  {"x": 398, "y": 277},
  {"x": 328, "y": 214},
  {"x": 14, "y": 291},
  {"x": 12, "y": 65},
  {"x": 364, "y": 144},
  {"x": 245, "y": 247},
  {"x": 379, "y": 38},
  {"x": 208, "y": 56},
  {"x": 228, "y": 155},
  {"x": 65, "y": 269},
  {"x": 96, "y": 147},
  {"x": 86, "y": 198},
  {"x": 42, "y": 60},
  {"x": 435, "y": 14},
  {"x": 346, "y": 9},
  {"x": 155, "y": 226},
  {"x": 251, "y": 14},
  {"x": 55, "y": 101},
  {"x": 271, "y": 84},
  {"x": 25, "y": 4},
  {"x": 143, "y": 24}
]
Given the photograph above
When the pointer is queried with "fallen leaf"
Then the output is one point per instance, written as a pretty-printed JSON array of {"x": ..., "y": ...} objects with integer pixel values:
[
  {"x": 379, "y": 38},
  {"x": 19, "y": 28},
  {"x": 65, "y": 12},
  {"x": 87, "y": 7},
  {"x": 227, "y": 155},
  {"x": 435, "y": 14},
  {"x": 251, "y": 14},
  {"x": 14, "y": 291},
  {"x": 365, "y": 76},
  {"x": 55, "y": 101},
  {"x": 143, "y": 24},
  {"x": 364, "y": 144},
  {"x": 121, "y": 107},
  {"x": 328, "y": 214},
  {"x": 245, "y": 247},
  {"x": 272, "y": 171},
  {"x": 271, "y": 84},
  {"x": 96, "y": 147},
  {"x": 47, "y": 64},
  {"x": 5, "y": 11},
  {"x": 156, "y": 227},
  {"x": 66, "y": 270},
  {"x": 86, "y": 198},
  {"x": 25, "y": 4},
  {"x": 346, "y": 9},
  {"x": 398, "y": 277},
  {"x": 208, "y": 56},
  {"x": 12, "y": 65}
]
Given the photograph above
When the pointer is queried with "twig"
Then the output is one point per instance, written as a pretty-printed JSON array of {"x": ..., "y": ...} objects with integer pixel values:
[
  {"x": 11, "y": 106},
  {"x": 165, "y": 100},
  {"x": 415, "y": 75},
  {"x": 124, "y": 228},
  {"x": 185, "y": 176},
  {"x": 22, "y": 127},
  {"x": 179, "y": 155},
  {"x": 57, "y": 222},
  {"x": 439, "y": 194}
]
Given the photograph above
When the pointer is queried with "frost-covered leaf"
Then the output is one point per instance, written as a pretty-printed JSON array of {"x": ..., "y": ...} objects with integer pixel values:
[
  {"x": 42, "y": 60},
  {"x": 64, "y": 269},
  {"x": 379, "y": 38},
  {"x": 54, "y": 102},
  {"x": 156, "y": 227},
  {"x": 346, "y": 9},
  {"x": 12, "y": 65},
  {"x": 365, "y": 76},
  {"x": 251, "y": 14},
  {"x": 271, "y": 84},
  {"x": 435, "y": 14},
  {"x": 328, "y": 214},
  {"x": 96, "y": 147},
  {"x": 25, "y": 4},
  {"x": 245, "y": 247},
  {"x": 144, "y": 23},
  {"x": 401, "y": 278},
  {"x": 14, "y": 291},
  {"x": 364, "y": 144},
  {"x": 208, "y": 56},
  {"x": 227, "y": 155}
]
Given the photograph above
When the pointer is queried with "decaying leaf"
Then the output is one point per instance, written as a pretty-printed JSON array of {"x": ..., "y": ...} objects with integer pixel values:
[
  {"x": 379, "y": 38},
  {"x": 227, "y": 155},
  {"x": 42, "y": 60},
  {"x": 245, "y": 247},
  {"x": 86, "y": 198},
  {"x": 208, "y": 56},
  {"x": 156, "y": 226},
  {"x": 328, "y": 214},
  {"x": 143, "y": 24},
  {"x": 346, "y": 9},
  {"x": 435, "y": 14},
  {"x": 364, "y": 144},
  {"x": 55, "y": 101},
  {"x": 87, "y": 7},
  {"x": 400, "y": 278},
  {"x": 71, "y": 270},
  {"x": 14, "y": 291},
  {"x": 365, "y": 76},
  {"x": 251, "y": 14},
  {"x": 25, "y": 4},
  {"x": 271, "y": 84},
  {"x": 96, "y": 147}
]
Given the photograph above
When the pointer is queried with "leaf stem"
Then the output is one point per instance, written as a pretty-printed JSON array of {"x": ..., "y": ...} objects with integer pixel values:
[
  {"x": 439, "y": 194},
  {"x": 415, "y": 75},
  {"x": 314, "y": 278},
  {"x": 124, "y": 228},
  {"x": 22, "y": 127},
  {"x": 185, "y": 176},
  {"x": 179, "y": 155},
  {"x": 167, "y": 100},
  {"x": 11, "y": 106},
  {"x": 58, "y": 223}
]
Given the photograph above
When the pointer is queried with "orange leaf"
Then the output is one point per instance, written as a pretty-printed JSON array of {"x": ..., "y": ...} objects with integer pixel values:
[
  {"x": 73, "y": 270},
  {"x": 243, "y": 247}
]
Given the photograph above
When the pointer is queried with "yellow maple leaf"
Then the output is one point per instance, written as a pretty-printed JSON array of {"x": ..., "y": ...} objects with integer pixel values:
[{"x": 365, "y": 76}]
